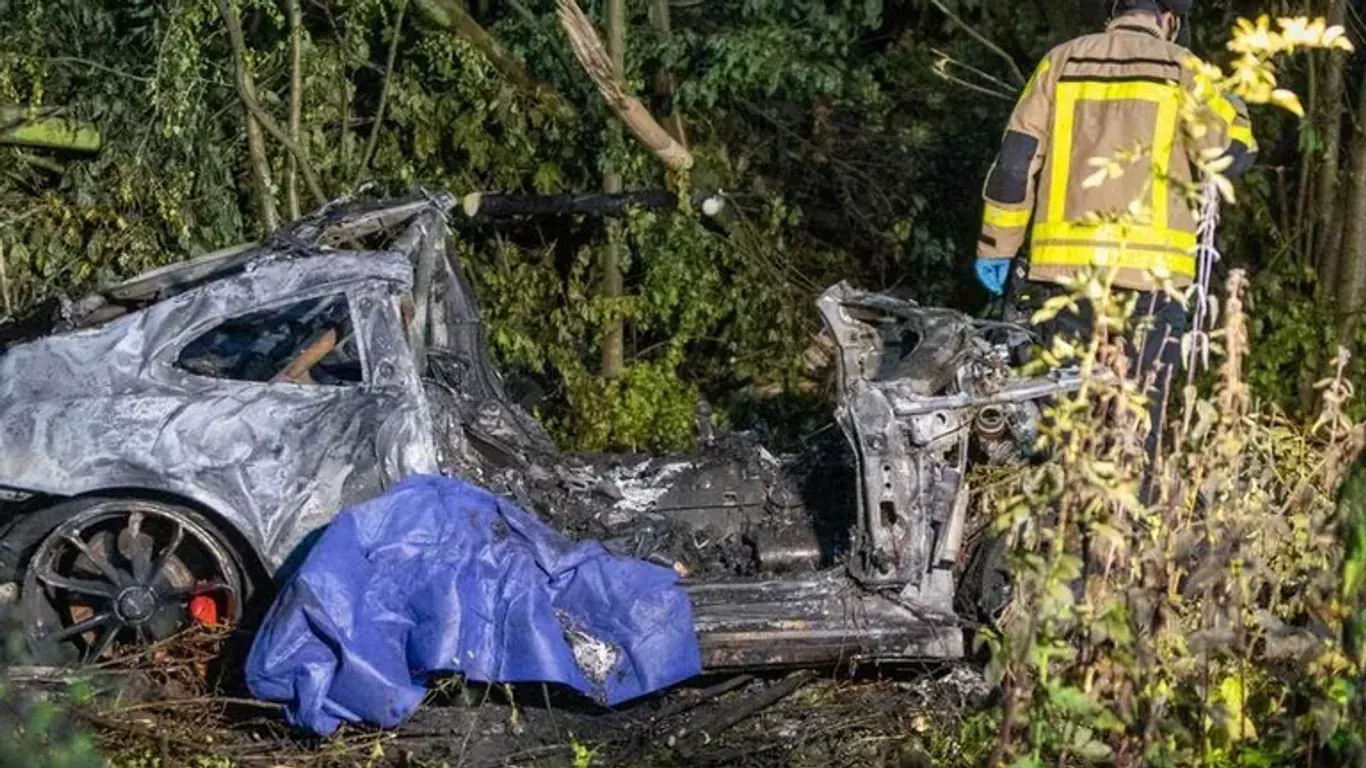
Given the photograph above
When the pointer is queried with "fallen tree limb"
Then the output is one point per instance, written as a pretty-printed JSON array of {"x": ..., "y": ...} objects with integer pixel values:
[
  {"x": 46, "y": 129},
  {"x": 247, "y": 94},
  {"x": 226, "y": 701},
  {"x": 493, "y": 206},
  {"x": 706, "y": 729},
  {"x": 594, "y": 59}
]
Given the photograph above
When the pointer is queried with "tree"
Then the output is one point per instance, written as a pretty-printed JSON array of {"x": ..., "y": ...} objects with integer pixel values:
[{"x": 1352, "y": 272}]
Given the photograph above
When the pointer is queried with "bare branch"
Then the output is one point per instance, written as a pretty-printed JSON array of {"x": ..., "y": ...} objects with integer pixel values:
[
  {"x": 996, "y": 81},
  {"x": 973, "y": 86},
  {"x": 373, "y": 141},
  {"x": 979, "y": 37},
  {"x": 97, "y": 65},
  {"x": 248, "y": 97},
  {"x": 940, "y": 69}
]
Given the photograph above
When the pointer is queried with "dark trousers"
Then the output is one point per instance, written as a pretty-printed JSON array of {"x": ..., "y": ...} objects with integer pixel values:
[{"x": 1154, "y": 365}]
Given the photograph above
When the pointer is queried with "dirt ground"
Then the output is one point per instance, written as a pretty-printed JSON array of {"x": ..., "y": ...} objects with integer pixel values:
[{"x": 163, "y": 711}]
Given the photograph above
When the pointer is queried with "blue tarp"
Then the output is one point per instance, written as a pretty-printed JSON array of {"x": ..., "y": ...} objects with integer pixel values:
[{"x": 440, "y": 576}]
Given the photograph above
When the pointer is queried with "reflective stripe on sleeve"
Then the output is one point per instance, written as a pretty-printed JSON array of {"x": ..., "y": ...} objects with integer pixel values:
[{"x": 997, "y": 216}]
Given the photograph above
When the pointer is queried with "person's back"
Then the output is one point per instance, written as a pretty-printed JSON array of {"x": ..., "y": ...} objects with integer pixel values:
[{"x": 1114, "y": 94}]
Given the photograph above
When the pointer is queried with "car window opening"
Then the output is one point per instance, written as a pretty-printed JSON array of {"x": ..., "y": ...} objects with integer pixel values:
[{"x": 309, "y": 342}]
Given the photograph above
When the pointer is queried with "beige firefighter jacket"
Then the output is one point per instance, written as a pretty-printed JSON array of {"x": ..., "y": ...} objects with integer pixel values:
[{"x": 1095, "y": 96}]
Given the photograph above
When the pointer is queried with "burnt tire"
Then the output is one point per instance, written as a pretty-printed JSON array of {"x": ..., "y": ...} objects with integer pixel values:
[
  {"x": 110, "y": 574},
  {"x": 984, "y": 586}
]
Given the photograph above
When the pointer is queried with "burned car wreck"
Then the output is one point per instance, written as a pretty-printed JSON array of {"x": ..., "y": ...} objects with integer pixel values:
[{"x": 171, "y": 447}]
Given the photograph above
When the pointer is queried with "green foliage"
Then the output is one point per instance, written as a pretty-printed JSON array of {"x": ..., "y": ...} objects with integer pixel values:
[
  {"x": 701, "y": 311},
  {"x": 826, "y": 147},
  {"x": 1197, "y": 621},
  {"x": 1197, "y": 627},
  {"x": 1290, "y": 331},
  {"x": 36, "y": 729}
]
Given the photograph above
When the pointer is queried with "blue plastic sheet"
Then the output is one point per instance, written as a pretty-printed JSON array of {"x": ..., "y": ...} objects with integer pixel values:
[{"x": 440, "y": 576}]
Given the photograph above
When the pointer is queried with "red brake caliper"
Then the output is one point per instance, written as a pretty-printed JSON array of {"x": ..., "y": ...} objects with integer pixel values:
[{"x": 204, "y": 610}]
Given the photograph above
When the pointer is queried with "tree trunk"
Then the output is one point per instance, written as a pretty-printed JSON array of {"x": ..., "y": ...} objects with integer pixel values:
[
  {"x": 1303, "y": 239},
  {"x": 256, "y": 143},
  {"x": 1352, "y": 271},
  {"x": 664, "y": 79},
  {"x": 613, "y": 338},
  {"x": 1327, "y": 207},
  {"x": 261, "y": 173},
  {"x": 295, "y": 103}
]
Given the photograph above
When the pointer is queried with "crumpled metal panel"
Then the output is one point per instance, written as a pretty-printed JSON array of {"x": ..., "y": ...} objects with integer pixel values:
[{"x": 106, "y": 408}]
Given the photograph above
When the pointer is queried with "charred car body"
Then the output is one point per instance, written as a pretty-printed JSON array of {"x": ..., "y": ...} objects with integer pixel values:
[{"x": 171, "y": 447}]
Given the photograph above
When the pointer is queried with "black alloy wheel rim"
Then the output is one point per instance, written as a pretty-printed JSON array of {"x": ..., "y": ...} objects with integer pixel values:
[{"x": 123, "y": 572}]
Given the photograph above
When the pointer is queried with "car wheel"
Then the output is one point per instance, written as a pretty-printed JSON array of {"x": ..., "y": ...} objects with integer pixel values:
[{"x": 124, "y": 572}]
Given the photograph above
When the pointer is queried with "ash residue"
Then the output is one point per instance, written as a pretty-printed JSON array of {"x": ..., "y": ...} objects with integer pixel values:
[
  {"x": 699, "y": 514},
  {"x": 596, "y": 658}
]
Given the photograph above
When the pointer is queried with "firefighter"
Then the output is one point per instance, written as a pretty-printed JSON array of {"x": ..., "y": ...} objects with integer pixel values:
[{"x": 1100, "y": 95}]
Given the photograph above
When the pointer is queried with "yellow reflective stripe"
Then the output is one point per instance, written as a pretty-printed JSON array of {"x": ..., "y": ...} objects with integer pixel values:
[
  {"x": 1137, "y": 235},
  {"x": 1065, "y": 110},
  {"x": 1108, "y": 256},
  {"x": 1000, "y": 217},
  {"x": 1162, "y": 155},
  {"x": 1068, "y": 94},
  {"x": 1033, "y": 78}
]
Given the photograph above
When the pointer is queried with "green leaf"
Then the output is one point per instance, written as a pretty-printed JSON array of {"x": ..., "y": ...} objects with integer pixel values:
[{"x": 1073, "y": 701}]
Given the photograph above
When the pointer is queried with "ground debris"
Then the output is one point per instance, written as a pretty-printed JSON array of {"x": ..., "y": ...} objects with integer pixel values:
[{"x": 805, "y": 718}]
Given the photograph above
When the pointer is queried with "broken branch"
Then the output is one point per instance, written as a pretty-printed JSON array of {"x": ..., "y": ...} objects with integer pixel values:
[
  {"x": 247, "y": 94},
  {"x": 979, "y": 37},
  {"x": 941, "y": 70},
  {"x": 495, "y": 206},
  {"x": 703, "y": 731},
  {"x": 594, "y": 59},
  {"x": 317, "y": 348},
  {"x": 46, "y": 128}
]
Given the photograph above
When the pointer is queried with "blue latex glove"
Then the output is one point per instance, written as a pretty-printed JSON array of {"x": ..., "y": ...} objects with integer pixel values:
[{"x": 991, "y": 273}]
